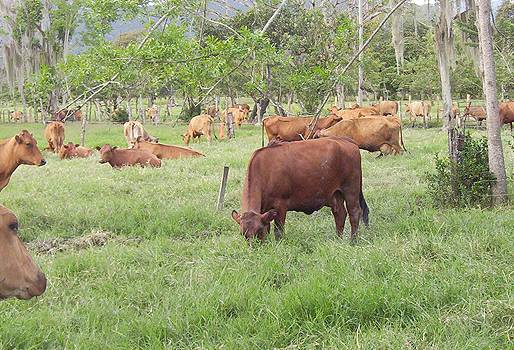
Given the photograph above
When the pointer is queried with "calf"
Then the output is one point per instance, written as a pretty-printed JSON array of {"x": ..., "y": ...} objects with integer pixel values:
[
  {"x": 476, "y": 112},
  {"x": 166, "y": 151},
  {"x": 74, "y": 151},
  {"x": 372, "y": 134},
  {"x": 118, "y": 158},
  {"x": 198, "y": 126},
  {"x": 20, "y": 276},
  {"x": 295, "y": 128},
  {"x": 54, "y": 135},
  {"x": 418, "y": 109},
  {"x": 302, "y": 176},
  {"x": 20, "y": 149}
]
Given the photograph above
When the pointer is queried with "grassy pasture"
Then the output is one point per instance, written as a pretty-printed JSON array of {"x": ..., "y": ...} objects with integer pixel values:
[{"x": 418, "y": 278}]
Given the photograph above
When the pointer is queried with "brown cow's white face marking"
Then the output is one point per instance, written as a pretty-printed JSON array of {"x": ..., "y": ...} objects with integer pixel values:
[{"x": 254, "y": 224}]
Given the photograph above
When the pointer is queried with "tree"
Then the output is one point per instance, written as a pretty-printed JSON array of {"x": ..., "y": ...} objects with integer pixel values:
[{"x": 494, "y": 142}]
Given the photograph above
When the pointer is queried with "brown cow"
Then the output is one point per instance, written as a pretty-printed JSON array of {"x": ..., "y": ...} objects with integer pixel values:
[
  {"x": 476, "y": 112},
  {"x": 54, "y": 135},
  {"x": 16, "y": 116},
  {"x": 71, "y": 150},
  {"x": 20, "y": 276},
  {"x": 295, "y": 128},
  {"x": 353, "y": 113},
  {"x": 387, "y": 107},
  {"x": 302, "y": 176},
  {"x": 67, "y": 115},
  {"x": 212, "y": 111},
  {"x": 118, "y": 158},
  {"x": 370, "y": 133},
  {"x": 21, "y": 149},
  {"x": 133, "y": 129},
  {"x": 166, "y": 151},
  {"x": 418, "y": 109},
  {"x": 152, "y": 113},
  {"x": 198, "y": 126},
  {"x": 507, "y": 113},
  {"x": 239, "y": 114}
]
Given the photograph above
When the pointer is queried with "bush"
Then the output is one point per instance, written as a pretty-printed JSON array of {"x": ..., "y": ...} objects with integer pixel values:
[
  {"x": 467, "y": 183},
  {"x": 119, "y": 116}
]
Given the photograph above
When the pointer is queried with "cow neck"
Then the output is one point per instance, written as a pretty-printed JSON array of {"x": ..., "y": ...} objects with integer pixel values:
[
  {"x": 252, "y": 194},
  {"x": 8, "y": 163}
]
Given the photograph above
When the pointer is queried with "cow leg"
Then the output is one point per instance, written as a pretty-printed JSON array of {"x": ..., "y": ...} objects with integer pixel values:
[
  {"x": 385, "y": 149},
  {"x": 339, "y": 212},
  {"x": 264, "y": 233},
  {"x": 354, "y": 210},
  {"x": 280, "y": 220}
]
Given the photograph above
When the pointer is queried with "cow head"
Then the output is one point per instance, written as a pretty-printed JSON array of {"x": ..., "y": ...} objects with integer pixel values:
[
  {"x": 26, "y": 151},
  {"x": 254, "y": 224},
  {"x": 106, "y": 153},
  {"x": 69, "y": 150},
  {"x": 20, "y": 277}
]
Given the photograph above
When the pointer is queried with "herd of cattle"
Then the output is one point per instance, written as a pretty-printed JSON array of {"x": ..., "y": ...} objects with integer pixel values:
[{"x": 282, "y": 177}]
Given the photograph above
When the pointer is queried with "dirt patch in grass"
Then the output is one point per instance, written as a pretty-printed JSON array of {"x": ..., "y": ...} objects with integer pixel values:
[{"x": 96, "y": 238}]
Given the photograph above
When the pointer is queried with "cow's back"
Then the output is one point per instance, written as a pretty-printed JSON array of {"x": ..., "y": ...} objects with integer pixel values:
[{"x": 302, "y": 175}]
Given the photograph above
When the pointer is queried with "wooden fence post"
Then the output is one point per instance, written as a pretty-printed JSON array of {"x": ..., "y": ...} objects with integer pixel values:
[{"x": 223, "y": 187}]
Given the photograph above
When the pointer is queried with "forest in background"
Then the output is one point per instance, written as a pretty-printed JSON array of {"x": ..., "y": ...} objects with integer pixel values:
[{"x": 207, "y": 49}]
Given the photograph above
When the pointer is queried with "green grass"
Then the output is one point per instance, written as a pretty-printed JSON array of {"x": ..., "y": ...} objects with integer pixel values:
[{"x": 418, "y": 278}]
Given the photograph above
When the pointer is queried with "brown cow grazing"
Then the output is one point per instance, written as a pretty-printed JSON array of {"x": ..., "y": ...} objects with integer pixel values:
[
  {"x": 118, "y": 158},
  {"x": 387, "y": 107},
  {"x": 133, "y": 129},
  {"x": 20, "y": 277},
  {"x": 54, "y": 135},
  {"x": 302, "y": 176},
  {"x": 71, "y": 150},
  {"x": 166, "y": 151},
  {"x": 21, "y": 149},
  {"x": 198, "y": 126},
  {"x": 476, "y": 112},
  {"x": 295, "y": 128},
  {"x": 370, "y": 133},
  {"x": 419, "y": 109},
  {"x": 507, "y": 113},
  {"x": 16, "y": 116}
]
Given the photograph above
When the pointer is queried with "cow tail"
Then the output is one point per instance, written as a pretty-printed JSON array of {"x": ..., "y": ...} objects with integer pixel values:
[
  {"x": 365, "y": 209},
  {"x": 401, "y": 138}
]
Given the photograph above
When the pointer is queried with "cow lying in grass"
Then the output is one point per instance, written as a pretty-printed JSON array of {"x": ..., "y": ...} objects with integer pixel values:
[
  {"x": 71, "y": 150},
  {"x": 302, "y": 176},
  {"x": 118, "y": 157},
  {"x": 166, "y": 151}
]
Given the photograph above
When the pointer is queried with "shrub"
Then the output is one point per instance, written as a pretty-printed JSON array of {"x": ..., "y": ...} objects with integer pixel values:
[
  {"x": 120, "y": 116},
  {"x": 466, "y": 183}
]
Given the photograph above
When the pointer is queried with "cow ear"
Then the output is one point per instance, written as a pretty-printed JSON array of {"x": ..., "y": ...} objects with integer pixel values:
[
  {"x": 236, "y": 217},
  {"x": 18, "y": 139},
  {"x": 77, "y": 145},
  {"x": 269, "y": 216}
]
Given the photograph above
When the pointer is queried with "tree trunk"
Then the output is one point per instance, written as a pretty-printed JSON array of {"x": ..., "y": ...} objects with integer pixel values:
[
  {"x": 340, "y": 95},
  {"x": 361, "y": 68},
  {"x": 494, "y": 142},
  {"x": 445, "y": 56}
]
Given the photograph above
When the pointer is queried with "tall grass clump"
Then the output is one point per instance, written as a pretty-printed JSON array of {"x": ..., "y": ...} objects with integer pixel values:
[{"x": 464, "y": 183}]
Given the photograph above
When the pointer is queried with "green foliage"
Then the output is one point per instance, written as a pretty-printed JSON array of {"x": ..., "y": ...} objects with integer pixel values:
[
  {"x": 466, "y": 183},
  {"x": 119, "y": 116}
]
